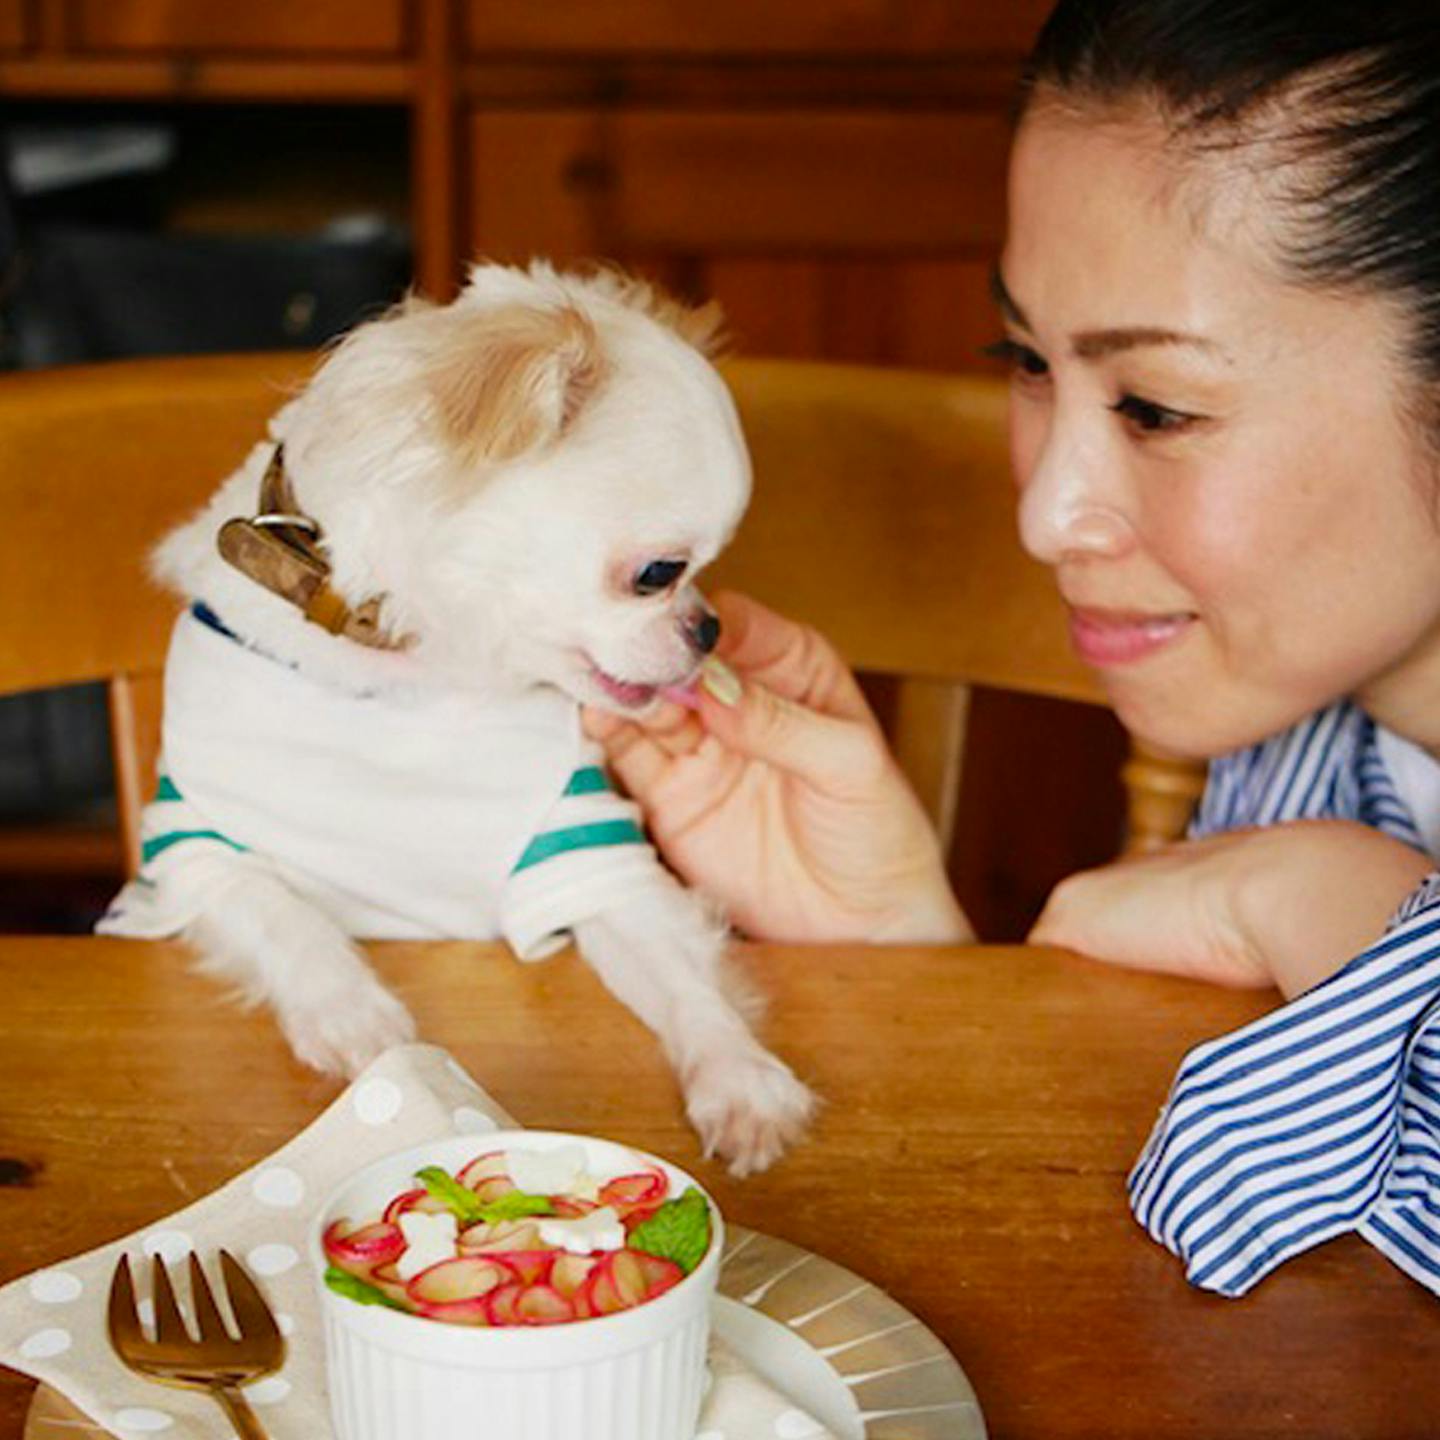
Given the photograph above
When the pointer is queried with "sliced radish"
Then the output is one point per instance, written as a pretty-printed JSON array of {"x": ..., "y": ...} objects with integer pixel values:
[
  {"x": 358, "y": 1249},
  {"x": 636, "y": 1218},
  {"x": 467, "y": 1277},
  {"x": 501, "y": 1304},
  {"x": 542, "y": 1305},
  {"x": 631, "y": 1192},
  {"x": 503, "y": 1235},
  {"x": 629, "y": 1276},
  {"x": 570, "y": 1272},
  {"x": 421, "y": 1200},
  {"x": 387, "y": 1278},
  {"x": 475, "y": 1311},
  {"x": 492, "y": 1187},
  {"x": 529, "y": 1267},
  {"x": 660, "y": 1274},
  {"x": 616, "y": 1283},
  {"x": 482, "y": 1167},
  {"x": 570, "y": 1207},
  {"x": 600, "y": 1294}
]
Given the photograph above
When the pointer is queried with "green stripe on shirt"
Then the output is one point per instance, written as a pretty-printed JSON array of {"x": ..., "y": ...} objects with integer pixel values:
[
  {"x": 165, "y": 789},
  {"x": 590, "y": 780},
  {"x": 579, "y": 837},
  {"x": 161, "y": 843}
]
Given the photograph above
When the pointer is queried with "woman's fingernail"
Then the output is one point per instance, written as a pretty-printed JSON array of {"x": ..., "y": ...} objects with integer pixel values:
[{"x": 720, "y": 681}]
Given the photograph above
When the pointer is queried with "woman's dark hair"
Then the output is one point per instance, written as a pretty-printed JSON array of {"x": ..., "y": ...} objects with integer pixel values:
[{"x": 1344, "y": 94}]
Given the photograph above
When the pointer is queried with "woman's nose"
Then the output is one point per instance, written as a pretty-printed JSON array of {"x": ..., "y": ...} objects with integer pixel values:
[{"x": 1072, "y": 504}]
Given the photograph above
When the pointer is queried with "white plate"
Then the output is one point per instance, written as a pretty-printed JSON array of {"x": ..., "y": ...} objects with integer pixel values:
[{"x": 837, "y": 1346}]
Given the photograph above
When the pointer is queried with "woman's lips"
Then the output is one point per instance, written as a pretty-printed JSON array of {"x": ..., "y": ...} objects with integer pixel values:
[{"x": 1120, "y": 637}]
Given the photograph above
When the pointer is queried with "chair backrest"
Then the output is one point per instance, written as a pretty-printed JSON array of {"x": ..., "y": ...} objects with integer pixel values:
[
  {"x": 882, "y": 513},
  {"x": 96, "y": 463}
]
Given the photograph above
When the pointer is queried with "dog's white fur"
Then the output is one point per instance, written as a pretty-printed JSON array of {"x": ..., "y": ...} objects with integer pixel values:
[{"x": 497, "y": 468}]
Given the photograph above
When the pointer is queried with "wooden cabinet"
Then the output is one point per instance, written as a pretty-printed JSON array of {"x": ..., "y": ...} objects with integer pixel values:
[
  {"x": 804, "y": 183},
  {"x": 898, "y": 28},
  {"x": 337, "y": 27},
  {"x": 864, "y": 235},
  {"x": 13, "y": 29}
]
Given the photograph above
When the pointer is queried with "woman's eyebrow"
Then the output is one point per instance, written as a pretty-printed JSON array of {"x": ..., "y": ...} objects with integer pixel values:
[
  {"x": 1005, "y": 300},
  {"x": 1096, "y": 344}
]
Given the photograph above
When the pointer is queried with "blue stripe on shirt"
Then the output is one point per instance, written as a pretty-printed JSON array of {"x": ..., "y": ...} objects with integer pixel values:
[{"x": 1323, "y": 1117}]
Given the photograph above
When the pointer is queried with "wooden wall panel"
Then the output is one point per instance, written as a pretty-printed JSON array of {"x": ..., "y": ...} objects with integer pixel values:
[
  {"x": 920, "y": 29},
  {"x": 13, "y": 29},
  {"x": 929, "y": 314},
  {"x": 654, "y": 182},
  {"x": 262, "y": 26}
]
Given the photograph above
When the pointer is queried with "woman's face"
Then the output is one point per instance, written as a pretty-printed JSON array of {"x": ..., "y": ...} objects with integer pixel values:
[{"x": 1216, "y": 462}]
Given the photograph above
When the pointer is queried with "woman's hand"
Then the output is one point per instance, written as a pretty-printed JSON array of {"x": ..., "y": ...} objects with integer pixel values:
[
  {"x": 779, "y": 796},
  {"x": 1286, "y": 905}
]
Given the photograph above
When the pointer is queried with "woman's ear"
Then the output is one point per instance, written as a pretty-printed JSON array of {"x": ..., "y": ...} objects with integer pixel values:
[{"x": 509, "y": 381}]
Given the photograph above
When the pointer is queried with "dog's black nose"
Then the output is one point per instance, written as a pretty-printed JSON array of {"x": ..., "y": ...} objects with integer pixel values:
[{"x": 705, "y": 631}]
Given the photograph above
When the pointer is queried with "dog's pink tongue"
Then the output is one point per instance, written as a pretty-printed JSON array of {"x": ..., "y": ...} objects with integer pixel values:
[{"x": 682, "y": 694}]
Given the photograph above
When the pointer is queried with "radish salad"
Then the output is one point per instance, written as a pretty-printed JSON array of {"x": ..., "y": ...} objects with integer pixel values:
[{"x": 521, "y": 1237}]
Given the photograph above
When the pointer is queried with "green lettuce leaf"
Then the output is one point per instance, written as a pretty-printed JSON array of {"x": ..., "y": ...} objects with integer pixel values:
[
  {"x": 469, "y": 1209},
  {"x": 352, "y": 1287},
  {"x": 679, "y": 1230},
  {"x": 515, "y": 1205},
  {"x": 463, "y": 1203}
]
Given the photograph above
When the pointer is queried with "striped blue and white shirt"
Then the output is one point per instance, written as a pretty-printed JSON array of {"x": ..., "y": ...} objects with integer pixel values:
[{"x": 1324, "y": 1116}]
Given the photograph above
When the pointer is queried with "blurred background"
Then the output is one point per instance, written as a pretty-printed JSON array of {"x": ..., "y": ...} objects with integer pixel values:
[{"x": 182, "y": 176}]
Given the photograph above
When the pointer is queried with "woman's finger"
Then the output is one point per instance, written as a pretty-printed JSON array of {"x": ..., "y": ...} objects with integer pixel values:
[
  {"x": 638, "y": 762},
  {"x": 672, "y": 727},
  {"x": 792, "y": 660},
  {"x": 835, "y": 754},
  {"x": 639, "y": 756}
]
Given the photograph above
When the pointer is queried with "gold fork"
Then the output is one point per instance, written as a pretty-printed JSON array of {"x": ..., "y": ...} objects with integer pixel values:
[{"x": 217, "y": 1361}]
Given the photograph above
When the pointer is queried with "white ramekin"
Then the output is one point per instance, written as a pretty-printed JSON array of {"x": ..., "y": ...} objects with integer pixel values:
[{"x": 635, "y": 1375}]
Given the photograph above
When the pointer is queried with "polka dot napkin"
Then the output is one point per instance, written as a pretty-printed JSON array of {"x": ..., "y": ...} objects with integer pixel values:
[{"x": 52, "y": 1323}]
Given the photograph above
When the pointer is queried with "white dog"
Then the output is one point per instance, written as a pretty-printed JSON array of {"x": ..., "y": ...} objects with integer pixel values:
[{"x": 473, "y": 518}]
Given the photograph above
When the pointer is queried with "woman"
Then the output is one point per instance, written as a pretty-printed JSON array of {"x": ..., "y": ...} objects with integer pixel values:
[{"x": 1221, "y": 294}]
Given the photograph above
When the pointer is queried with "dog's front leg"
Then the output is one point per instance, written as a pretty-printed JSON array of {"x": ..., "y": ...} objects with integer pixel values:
[
  {"x": 278, "y": 948},
  {"x": 663, "y": 955}
]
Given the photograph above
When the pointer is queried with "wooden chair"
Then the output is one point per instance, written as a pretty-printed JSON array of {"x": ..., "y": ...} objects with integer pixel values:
[
  {"x": 883, "y": 514},
  {"x": 96, "y": 463}
]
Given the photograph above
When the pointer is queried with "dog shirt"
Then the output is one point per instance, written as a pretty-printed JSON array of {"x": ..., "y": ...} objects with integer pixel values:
[{"x": 403, "y": 815}]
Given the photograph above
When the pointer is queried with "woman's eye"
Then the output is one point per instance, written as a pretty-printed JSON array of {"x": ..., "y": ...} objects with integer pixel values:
[
  {"x": 1020, "y": 358},
  {"x": 657, "y": 577},
  {"x": 1151, "y": 418}
]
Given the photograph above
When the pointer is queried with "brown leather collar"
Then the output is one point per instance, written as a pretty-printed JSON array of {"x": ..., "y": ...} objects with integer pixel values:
[{"x": 279, "y": 548}]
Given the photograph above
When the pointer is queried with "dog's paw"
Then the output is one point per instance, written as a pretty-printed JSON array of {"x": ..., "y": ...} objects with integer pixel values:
[
  {"x": 343, "y": 1037},
  {"x": 747, "y": 1108}
]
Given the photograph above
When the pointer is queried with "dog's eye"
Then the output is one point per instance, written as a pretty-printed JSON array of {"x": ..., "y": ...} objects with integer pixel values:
[{"x": 657, "y": 577}]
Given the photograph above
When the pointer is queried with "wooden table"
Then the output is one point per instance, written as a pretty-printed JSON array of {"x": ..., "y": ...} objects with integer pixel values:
[{"x": 984, "y": 1106}]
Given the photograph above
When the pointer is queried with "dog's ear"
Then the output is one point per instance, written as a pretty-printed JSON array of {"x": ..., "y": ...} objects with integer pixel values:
[
  {"x": 700, "y": 326},
  {"x": 511, "y": 380}
]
